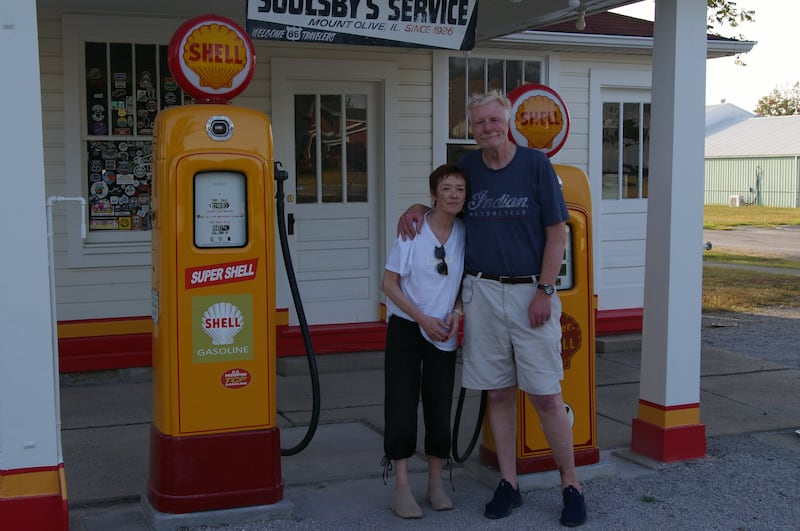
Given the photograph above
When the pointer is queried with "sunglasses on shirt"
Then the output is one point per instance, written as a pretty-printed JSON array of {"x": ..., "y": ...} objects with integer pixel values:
[{"x": 441, "y": 267}]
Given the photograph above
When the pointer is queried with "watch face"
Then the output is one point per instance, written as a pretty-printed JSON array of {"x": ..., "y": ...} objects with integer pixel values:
[{"x": 548, "y": 289}]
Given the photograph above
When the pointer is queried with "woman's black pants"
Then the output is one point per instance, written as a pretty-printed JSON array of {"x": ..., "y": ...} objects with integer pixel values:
[{"x": 414, "y": 366}]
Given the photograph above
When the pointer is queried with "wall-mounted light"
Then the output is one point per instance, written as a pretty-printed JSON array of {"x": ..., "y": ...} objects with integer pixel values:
[
  {"x": 574, "y": 4},
  {"x": 580, "y": 24}
]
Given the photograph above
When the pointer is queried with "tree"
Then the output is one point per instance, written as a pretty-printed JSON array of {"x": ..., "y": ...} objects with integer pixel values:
[
  {"x": 725, "y": 12},
  {"x": 780, "y": 102}
]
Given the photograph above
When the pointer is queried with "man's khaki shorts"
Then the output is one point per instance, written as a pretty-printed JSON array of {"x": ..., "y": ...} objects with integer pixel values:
[{"x": 501, "y": 349}]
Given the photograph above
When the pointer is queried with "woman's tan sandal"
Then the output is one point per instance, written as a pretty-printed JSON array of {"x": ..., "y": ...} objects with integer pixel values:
[
  {"x": 437, "y": 496},
  {"x": 404, "y": 505}
]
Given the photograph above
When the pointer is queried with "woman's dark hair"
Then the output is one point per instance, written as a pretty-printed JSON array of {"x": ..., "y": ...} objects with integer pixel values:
[{"x": 445, "y": 170}]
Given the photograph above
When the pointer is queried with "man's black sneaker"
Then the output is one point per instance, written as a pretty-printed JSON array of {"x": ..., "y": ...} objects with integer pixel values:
[
  {"x": 505, "y": 498},
  {"x": 574, "y": 512}
]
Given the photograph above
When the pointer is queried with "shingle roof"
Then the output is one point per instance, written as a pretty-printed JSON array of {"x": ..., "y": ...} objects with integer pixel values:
[
  {"x": 759, "y": 136},
  {"x": 614, "y": 24}
]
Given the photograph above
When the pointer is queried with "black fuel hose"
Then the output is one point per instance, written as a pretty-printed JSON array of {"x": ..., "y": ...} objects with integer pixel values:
[
  {"x": 280, "y": 176},
  {"x": 457, "y": 423}
]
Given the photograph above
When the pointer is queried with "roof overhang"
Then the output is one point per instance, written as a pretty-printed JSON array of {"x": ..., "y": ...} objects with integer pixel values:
[
  {"x": 500, "y": 23},
  {"x": 594, "y": 43},
  {"x": 497, "y": 18}
]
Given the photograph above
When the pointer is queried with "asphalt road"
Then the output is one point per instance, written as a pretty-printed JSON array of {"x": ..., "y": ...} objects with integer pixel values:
[{"x": 782, "y": 241}]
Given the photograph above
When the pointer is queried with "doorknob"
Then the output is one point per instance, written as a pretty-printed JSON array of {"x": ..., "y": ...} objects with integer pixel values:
[{"x": 290, "y": 230}]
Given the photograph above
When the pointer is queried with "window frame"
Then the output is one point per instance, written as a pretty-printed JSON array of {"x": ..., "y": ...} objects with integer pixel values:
[
  {"x": 550, "y": 67},
  {"x": 112, "y": 248},
  {"x": 643, "y": 109},
  {"x": 607, "y": 85}
]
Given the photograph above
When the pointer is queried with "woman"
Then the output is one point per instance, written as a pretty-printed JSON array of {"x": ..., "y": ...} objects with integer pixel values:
[{"x": 422, "y": 281}]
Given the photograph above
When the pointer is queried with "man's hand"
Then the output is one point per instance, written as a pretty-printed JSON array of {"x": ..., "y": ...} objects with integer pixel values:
[
  {"x": 539, "y": 309},
  {"x": 410, "y": 222}
]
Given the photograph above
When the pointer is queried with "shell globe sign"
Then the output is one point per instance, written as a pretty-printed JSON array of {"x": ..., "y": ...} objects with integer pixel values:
[
  {"x": 211, "y": 58},
  {"x": 539, "y": 118}
]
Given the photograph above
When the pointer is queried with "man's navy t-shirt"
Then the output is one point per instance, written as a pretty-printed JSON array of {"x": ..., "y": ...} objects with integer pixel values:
[{"x": 508, "y": 211}]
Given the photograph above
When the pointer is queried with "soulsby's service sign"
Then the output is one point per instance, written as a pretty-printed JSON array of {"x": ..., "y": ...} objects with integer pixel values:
[{"x": 409, "y": 23}]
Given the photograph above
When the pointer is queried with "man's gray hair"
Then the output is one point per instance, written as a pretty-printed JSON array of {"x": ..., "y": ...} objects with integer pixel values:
[{"x": 478, "y": 100}]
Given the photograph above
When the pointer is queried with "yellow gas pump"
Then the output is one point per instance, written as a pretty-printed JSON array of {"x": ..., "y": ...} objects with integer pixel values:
[
  {"x": 540, "y": 120},
  {"x": 214, "y": 441}
]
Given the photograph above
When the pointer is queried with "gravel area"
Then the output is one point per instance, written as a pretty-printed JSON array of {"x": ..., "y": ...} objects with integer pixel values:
[
  {"x": 747, "y": 482},
  {"x": 770, "y": 334}
]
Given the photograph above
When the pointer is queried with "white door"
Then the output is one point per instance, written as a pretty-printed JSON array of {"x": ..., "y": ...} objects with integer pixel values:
[
  {"x": 623, "y": 198},
  {"x": 328, "y": 132}
]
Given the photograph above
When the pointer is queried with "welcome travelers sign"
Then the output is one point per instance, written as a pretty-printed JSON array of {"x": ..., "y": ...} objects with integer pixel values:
[{"x": 409, "y": 23}]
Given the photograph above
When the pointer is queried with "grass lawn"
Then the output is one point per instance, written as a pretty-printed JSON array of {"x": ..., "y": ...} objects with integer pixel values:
[{"x": 722, "y": 217}]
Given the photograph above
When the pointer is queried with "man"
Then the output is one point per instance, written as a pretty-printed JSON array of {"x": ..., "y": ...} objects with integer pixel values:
[{"x": 516, "y": 234}]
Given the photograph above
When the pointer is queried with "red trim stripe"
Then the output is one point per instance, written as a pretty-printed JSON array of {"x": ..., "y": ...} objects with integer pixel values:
[
  {"x": 109, "y": 349},
  {"x": 695, "y": 405}
]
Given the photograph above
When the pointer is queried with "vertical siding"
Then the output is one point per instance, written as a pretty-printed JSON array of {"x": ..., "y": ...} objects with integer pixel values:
[
  {"x": 778, "y": 185},
  {"x": 414, "y": 114},
  {"x": 573, "y": 86}
]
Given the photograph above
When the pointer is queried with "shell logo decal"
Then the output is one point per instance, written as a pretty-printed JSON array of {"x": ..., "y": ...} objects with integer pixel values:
[
  {"x": 221, "y": 322},
  {"x": 571, "y": 338},
  {"x": 539, "y": 118},
  {"x": 216, "y": 54},
  {"x": 211, "y": 58}
]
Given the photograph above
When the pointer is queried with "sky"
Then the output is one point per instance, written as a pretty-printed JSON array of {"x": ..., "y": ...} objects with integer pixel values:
[{"x": 769, "y": 65}]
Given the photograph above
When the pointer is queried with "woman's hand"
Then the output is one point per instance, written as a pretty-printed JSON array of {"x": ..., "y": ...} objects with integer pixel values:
[
  {"x": 435, "y": 328},
  {"x": 452, "y": 320}
]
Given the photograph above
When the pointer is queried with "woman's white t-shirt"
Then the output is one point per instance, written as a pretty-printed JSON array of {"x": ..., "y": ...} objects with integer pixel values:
[{"x": 433, "y": 293}]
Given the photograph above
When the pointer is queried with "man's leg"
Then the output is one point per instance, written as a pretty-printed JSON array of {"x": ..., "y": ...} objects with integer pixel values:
[
  {"x": 502, "y": 405},
  {"x": 503, "y": 421},
  {"x": 556, "y": 427},
  {"x": 555, "y": 424}
]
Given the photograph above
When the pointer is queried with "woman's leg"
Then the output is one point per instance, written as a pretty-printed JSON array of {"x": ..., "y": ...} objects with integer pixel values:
[
  {"x": 438, "y": 377},
  {"x": 402, "y": 383}
]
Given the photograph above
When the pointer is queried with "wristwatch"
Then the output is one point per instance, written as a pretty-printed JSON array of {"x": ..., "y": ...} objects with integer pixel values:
[{"x": 548, "y": 289}]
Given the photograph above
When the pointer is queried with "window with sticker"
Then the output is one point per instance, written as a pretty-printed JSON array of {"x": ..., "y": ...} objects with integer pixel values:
[{"x": 125, "y": 87}]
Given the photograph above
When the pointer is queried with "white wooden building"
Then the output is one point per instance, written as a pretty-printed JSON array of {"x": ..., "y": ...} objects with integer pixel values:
[
  {"x": 413, "y": 109},
  {"x": 634, "y": 91}
]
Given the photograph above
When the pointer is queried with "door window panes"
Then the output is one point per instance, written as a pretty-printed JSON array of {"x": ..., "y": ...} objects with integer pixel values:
[
  {"x": 356, "y": 112},
  {"x": 329, "y": 132},
  {"x": 626, "y": 146},
  {"x": 331, "y": 148}
]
